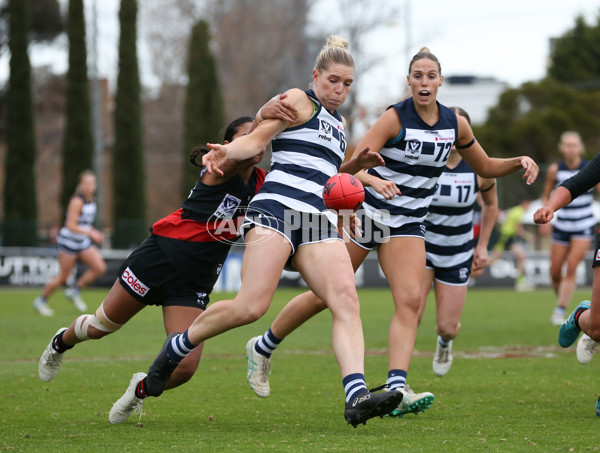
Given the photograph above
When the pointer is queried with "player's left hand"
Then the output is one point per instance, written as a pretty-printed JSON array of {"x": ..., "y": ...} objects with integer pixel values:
[
  {"x": 387, "y": 189},
  {"x": 531, "y": 169},
  {"x": 369, "y": 159},
  {"x": 96, "y": 236},
  {"x": 278, "y": 109}
]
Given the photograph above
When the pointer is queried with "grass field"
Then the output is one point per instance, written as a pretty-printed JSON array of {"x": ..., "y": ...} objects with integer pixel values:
[{"x": 511, "y": 388}]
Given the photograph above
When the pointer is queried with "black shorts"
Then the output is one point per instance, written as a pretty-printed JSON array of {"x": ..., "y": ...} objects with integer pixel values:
[{"x": 151, "y": 279}]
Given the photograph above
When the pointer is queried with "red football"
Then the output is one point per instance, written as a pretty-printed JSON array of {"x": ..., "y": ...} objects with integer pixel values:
[{"x": 342, "y": 192}]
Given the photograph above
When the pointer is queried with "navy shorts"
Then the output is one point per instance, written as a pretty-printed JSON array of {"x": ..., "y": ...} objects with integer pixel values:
[
  {"x": 298, "y": 229},
  {"x": 374, "y": 233},
  {"x": 562, "y": 237},
  {"x": 455, "y": 276},
  {"x": 150, "y": 278}
]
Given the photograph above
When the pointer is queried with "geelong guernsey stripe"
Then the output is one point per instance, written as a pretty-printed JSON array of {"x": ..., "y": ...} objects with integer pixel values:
[
  {"x": 304, "y": 158},
  {"x": 577, "y": 215},
  {"x": 78, "y": 241},
  {"x": 449, "y": 224}
]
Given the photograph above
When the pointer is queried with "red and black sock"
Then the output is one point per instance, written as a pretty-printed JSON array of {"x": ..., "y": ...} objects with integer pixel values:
[{"x": 140, "y": 389}]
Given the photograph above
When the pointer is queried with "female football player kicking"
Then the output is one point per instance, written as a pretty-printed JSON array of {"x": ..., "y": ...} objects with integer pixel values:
[{"x": 287, "y": 223}]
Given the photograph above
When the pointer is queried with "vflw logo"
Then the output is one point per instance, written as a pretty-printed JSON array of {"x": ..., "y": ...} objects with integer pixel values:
[
  {"x": 227, "y": 208},
  {"x": 325, "y": 130},
  {"x": 413, "y": 149}
]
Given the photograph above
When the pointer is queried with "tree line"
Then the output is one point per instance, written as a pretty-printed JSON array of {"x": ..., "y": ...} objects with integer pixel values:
[
  {"x": 204, "y": 108},
  {"x": 251, "y": 50}
]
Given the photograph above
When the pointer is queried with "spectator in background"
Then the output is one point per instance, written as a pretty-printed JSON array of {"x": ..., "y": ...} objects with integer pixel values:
[{"x": 512, "y": 235}]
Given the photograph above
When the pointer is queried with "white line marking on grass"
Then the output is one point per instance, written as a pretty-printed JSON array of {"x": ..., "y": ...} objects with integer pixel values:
[{"x": 484, "y": 352}]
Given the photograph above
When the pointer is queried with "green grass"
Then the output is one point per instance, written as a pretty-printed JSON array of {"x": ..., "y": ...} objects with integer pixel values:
[{"x": 511, "y": 388}]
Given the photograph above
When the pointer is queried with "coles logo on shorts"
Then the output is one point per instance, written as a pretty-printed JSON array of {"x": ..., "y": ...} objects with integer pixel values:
[
  {"x": 133, "y": 282},
  {"x": 598, "y": 255}
]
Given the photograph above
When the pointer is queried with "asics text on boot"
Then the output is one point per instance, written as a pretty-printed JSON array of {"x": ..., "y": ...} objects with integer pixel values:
[{"x": 368, "y": 405}]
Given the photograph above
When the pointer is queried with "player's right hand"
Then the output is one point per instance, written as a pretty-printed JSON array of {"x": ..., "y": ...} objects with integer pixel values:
[{"x": 216, "y": 157}]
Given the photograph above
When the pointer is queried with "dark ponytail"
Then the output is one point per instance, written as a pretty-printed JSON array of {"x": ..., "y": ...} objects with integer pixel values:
[{"x": 200, "y": 150}]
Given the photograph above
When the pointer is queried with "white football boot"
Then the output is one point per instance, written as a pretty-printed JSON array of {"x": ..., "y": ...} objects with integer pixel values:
[
  {"x": 50, "y": 361},
  {"x": 259, "y": 368},
  {"x": 128, "y": 403}
]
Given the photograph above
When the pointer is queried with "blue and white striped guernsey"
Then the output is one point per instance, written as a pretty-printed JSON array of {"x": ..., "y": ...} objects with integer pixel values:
[
  {"x": 304, "y": 158},
  {"x": 577, "y": 215},
  {"x": 413, "y": 160},
  {"x": 76, "y": 241},
  {"x": 449, "y": 224}
]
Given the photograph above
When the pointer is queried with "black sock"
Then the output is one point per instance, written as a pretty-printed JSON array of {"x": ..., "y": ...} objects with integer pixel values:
[
  {"x": 140, "y": 389},
  {"x": 577, "y": 315},
  {"x": 59, "y": 345}
]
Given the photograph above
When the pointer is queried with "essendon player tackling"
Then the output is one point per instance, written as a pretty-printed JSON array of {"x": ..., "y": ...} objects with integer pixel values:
[{"x": 177, "y": 265}]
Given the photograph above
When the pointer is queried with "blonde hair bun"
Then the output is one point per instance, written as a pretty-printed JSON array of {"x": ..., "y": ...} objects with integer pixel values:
[
  {"x": 337, "y": 41},
  {"x": 424, "y": 49},
  {"x": 335, "y": 50}
]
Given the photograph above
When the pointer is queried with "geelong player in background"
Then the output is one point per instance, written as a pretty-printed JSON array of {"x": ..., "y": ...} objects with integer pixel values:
[
  {"x": 573, "y": 227},
  {"x": 586, "y": 317},
  {"x": 75, "y": 242},
  {"x": 449, "y": 246}
]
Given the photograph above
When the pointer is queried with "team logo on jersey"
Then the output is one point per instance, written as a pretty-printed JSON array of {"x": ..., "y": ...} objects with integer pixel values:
[
  {"x": 227, "y": 208},
  {"x": 325, "y": 130},
  {"x": 463, "y": 273},
  {"x": 413, "y": 149}
]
